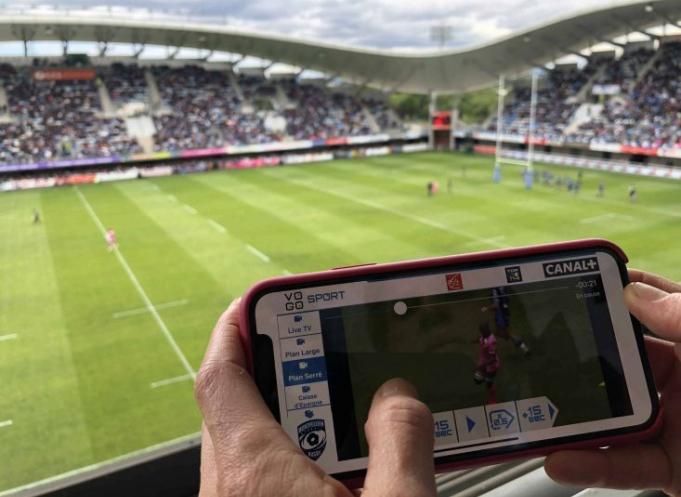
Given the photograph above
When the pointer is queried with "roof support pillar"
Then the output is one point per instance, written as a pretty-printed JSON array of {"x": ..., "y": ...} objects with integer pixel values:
[
  {"x": 432, "y": 107},
  {"x": 25, "y": 34},
  {"x": 138, "y": 49},
  {"x": 173, "y": 54}
]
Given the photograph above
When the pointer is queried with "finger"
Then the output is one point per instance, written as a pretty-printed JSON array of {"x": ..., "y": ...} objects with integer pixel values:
[
  {"x": 662, "y": 360},
  {"x": 225, "y": 342},
  {"x": 225, "y": 392},
  {"x": 654, "y": 280},
  {"x": 636, "y": 466},
  {"x": 400, "y": 435},
  {"x": 658, "y": 310},
  {"x": 209, "y": 476}
]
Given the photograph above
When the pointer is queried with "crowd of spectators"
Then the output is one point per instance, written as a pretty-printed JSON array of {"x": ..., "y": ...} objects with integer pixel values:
[
  {"x": 649, "y": 115},
  {"x": 57, "y": 120},
  {"x": 319, "y": 114},
  {"x": 201, "y": 109},
  {"x": 198, "y": 108},
  {"x": 639, "y": 109},
  {"x": 125, "y": 83},
  {"x": 555, "y": 104}
]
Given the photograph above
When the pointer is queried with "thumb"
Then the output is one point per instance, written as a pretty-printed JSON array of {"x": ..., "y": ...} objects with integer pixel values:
[
  {"x": 658, "y": 310},
  {"x": 400, "y": 435}
]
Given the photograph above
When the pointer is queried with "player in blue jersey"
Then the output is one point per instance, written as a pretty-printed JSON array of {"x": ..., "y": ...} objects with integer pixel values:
[{"x": 502, "y": 319}]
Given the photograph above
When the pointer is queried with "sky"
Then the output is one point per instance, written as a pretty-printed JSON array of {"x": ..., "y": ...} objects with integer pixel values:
[{"x": 387, "y": 24}]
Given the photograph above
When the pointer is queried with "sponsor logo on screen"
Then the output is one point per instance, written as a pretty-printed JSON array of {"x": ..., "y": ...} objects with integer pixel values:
[
  {"x": 64, "y": 74},
  {"x": 572, "y": 266},
  {"x": 454, "y": 281},
  {"x": 513, "y": 274}
]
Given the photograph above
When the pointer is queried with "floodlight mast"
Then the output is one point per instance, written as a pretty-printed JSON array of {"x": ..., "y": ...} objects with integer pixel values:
[{"x": 533, "y": 119}]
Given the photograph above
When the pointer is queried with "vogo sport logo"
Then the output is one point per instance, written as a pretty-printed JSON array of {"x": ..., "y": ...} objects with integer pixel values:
[
  {"x": 574, "y": 266},
  {"x": 312, "y": 438}
]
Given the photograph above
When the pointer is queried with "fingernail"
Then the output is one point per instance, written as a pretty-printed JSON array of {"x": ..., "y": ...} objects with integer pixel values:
[
  {"x": 646, "y": 293},
  {"x": 397, "y": 386}
]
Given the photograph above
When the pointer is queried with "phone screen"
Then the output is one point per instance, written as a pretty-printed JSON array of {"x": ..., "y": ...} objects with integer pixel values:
[
  {"x": 505, "y": 354},
  {"x": 467, "y": 350}
]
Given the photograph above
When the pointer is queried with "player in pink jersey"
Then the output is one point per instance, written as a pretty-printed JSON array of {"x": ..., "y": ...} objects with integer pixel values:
[
  {"x": 488, "y": 362},
  {"x": 111, "y": 239}
]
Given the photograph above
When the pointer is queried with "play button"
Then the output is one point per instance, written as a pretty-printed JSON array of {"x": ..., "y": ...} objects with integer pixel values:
[{"x": 471, "y": 423}]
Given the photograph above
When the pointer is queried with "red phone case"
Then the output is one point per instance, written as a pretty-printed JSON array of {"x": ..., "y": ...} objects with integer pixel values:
[{"x": 373, "y": 269}]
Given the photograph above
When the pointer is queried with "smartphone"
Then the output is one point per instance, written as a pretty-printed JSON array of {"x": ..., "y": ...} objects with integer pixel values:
[{"x": 516, "y": 352}]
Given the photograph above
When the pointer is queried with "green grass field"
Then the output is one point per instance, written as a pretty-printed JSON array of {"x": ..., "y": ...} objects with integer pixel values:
[{"x": 80, "y": 352}]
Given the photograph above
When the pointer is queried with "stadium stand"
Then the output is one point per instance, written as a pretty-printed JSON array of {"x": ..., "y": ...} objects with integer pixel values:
[
  {"x": 198, "y": 108},
  {"x": 631, "y": 102},
  {"x": 57, "y": 119}
]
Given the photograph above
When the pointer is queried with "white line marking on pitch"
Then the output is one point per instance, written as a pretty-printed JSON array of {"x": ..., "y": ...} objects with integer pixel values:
[
  {"x": 189, "y": 208},
  {"x": 142, "y": 310},
  {"x": 170, "y": 381},
  {"x": 612, "y": 216},
  {"x": 217, "y": 226},
  {"x": 164, "y": 329},
  {"x": 257, "y": 253},
  {"x": 11, "y": 336},
  {"x": 6, "y": 423},
  {"x": 287, "y": 272},
  {"x": 171, "y": 197},
  {"x": 489, "y": 241}
]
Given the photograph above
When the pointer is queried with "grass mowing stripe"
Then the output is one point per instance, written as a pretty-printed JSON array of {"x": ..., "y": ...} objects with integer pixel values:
[
  {"x": 164, "y": 329},
  {"x": 412, "y": 217},
  {"x": 280, "y": 239}
]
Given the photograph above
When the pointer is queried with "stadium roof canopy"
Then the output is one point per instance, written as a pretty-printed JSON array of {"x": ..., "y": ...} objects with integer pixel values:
[{"x": 439, "y": 71}]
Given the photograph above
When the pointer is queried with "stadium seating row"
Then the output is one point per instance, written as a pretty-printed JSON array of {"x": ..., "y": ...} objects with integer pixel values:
[
  {"x": 634, "y": 100},
  {"x": 188, "y": 107}
]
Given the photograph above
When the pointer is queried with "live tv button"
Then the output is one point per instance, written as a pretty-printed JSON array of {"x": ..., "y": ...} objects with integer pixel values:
[{"x": 298, "y": 324}]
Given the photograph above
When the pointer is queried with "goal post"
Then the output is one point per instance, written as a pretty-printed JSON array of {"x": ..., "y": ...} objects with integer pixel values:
[{"x": 499, "y": 159}]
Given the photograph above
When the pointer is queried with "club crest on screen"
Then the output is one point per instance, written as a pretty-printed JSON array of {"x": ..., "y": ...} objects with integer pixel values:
[
  {"x": 312, "y": 438},
  {"x": 454, "y": 281}
]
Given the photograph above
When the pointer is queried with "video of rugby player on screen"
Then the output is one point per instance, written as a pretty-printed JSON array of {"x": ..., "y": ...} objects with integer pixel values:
[{"x": 479, "y": 348}]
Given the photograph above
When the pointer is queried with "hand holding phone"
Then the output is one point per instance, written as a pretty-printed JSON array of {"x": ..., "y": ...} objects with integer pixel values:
[
  {"x": 244, "y": 451},
  {"x": 656, "y": 302},
  {"x": 250, "y": 445},
  {"x": 556, "y": 361}
]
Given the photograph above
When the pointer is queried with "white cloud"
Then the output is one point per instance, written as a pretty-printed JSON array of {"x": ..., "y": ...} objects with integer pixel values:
[{"x": 367, "y": 23}]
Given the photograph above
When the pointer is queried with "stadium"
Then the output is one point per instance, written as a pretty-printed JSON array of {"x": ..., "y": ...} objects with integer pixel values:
[{"x": 213, "y": 173}]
